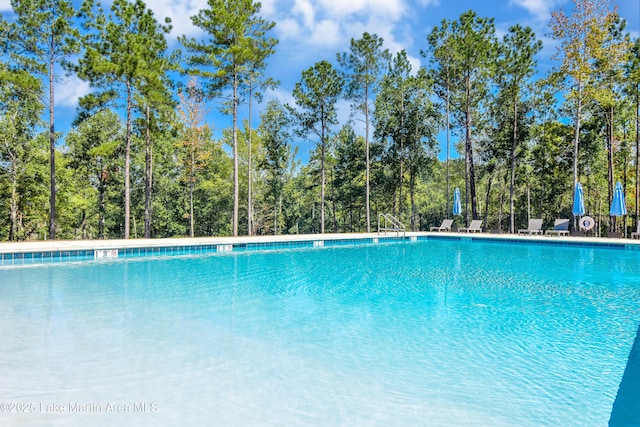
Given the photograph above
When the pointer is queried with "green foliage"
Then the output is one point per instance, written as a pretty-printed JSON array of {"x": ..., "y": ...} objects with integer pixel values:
[
  {"x": 316, "y": 96},
  {"x": 515, "y": 67},
  {"x": 278, "y": 161},
  {"x": 236, "y": 43},
  {"x": 236, "y": 49},
  {"x": 23, "y": 176},
  {"x": 123, "y": 56},
  {"x": 349, "y": 180},
  {"x": 42, "y": 38},
  {"x": 364, "y": 66},
  {"x": 586, "y": 40},
  {"x": 95, "y": 156},
  {"x": 406, "y": 124},
  {"x": 466, "y": 51},
  {"x": 134, "y": 155}
]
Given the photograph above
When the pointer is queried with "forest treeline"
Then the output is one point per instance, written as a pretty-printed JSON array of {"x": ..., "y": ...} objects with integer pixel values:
[{"x": 141, "y": 158}]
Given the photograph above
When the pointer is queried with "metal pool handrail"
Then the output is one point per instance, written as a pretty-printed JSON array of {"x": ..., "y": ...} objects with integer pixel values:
[{"x": 390, "y": 223}]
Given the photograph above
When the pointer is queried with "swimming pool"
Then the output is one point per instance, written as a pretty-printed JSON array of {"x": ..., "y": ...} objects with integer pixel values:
[{"x": 436, "y": 332}]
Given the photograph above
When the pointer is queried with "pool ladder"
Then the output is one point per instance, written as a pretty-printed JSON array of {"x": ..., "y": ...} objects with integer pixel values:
[{"x": 388, "y": 222}]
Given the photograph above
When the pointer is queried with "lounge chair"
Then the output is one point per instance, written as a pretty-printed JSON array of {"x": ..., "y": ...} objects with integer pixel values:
[
  {"x": 445, "y": 226},
  {"x": 636, "y": 234},
  {"x": 535, "y": 227},
  {"x": 474, "y": 227},
  {"x": 560, "y": 228}
]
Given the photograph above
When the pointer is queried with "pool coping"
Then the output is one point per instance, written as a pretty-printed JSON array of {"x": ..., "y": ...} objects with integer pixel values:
[
  {"x": 37, "y": 252},
  {"x": 69, "y": 245}
]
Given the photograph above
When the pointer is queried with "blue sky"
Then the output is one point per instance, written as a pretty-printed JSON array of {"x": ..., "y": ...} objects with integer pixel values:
[{"x": 312, "y": 30}]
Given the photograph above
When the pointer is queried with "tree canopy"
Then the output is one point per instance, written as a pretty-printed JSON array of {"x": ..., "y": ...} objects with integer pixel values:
[{"x": 144, "y": 158}]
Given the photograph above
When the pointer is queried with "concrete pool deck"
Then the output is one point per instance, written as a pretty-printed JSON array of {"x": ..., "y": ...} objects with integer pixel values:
[{"x": 91, "y": 245}]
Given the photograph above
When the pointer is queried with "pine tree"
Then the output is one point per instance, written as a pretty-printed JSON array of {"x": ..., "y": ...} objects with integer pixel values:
[
  {"x": 406, "y": 122},
  {"x": 633, "y": 88},
  {"x": 443, "y": 75},
  {"x": 316, "y": 96},
  {"x": 364, "y": 65},
  {"x": 121, "y": 50},
  {"x": 278, "y": 155},
  {"x": 236, "y": 47},
  {"x": 19, "y": 147},
  {"x": 516, "y": 65},
  {"x": 93, "y": 154},
  {"x": 474, "y": 56},
  {"x": 578, "y": 50},
  {"x": 41, "y": 39},
  {"x": 195, "y": 136}
]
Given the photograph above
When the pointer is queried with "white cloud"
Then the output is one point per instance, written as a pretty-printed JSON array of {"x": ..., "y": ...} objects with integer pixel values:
[
  {"x": 180, "y": 14},
  {"x": 282, "y": 95},
  {"x": 268, "y": 8},
  {"x": 306, "y": 9},
  {"x": 70, "y": 90},
  {"x": 385, "y": 29},
  {"x": 330, "y": 24},
  {"x": 288, "y": 29},
  {"x": 392, "y": 9},
  {"x": 326, "y": 33},
  {"x": 540, "y": 9},
  {"x": 320, "y": 24},
  {"x": 5, "y": 5}
]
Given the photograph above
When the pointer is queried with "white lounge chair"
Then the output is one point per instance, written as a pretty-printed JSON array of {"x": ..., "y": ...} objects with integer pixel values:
[
  {"x": 474, "y": 227},
  {"x": 445, "y": 226},
  {"x": 535, "y": 227},
  {"x": 560, "y": 228}
]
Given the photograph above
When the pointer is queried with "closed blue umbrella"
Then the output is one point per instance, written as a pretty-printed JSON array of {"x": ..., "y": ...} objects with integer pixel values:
[
  {"x": 618, "y": 207},
  {"x": 457, "y": 207},
  {"x": 578, "y": 201}
]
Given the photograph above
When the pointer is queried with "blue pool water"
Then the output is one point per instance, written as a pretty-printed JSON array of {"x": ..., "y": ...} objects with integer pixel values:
[{"x": 434, "y": 333}]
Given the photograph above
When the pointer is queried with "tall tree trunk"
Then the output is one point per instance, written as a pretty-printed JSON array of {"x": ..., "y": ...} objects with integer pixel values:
[
  {"x": 147, "y": 177},
  {"x": 514, "y": 139},
  {"x": 333, "y": 205},
  {"x": 528, "y": 203},
  {"x": 499, "y": 212},
  {"x": 101, "y": 206},
  {"x": 466, "y": 188},
  {"x": 469, "y": 155},
  {"x": 83, "y": 224},
  {"x": 637, "y": 152},
  {"x": 448, "y": 126},
  {"x": 488, "y": 195},
  {"x": 236, "y": 190},
  {"x": 127, "y": 161},
  {"x": 13, "y": 227},
  {"x": 192, "y": 179},
  {"x": 322, "y": 173},
  {"x": 249, "y": 170},
  {"x": 576, "y": 142},
  {"x": 412, "y": 182},
  {"x": 52, "y": 147},
  {"x": 367, "y": 160},
  {"x": 401, "y": 156},
  {"x": 610, "y": 149},
  {"x": 624, "y": 184},
  {"x": 279, "y": 209},
  {"x": 275, "y": 216}
]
